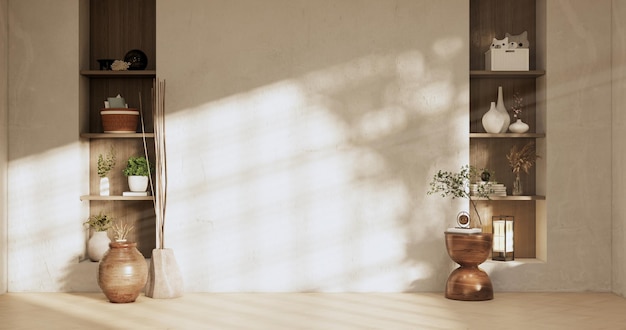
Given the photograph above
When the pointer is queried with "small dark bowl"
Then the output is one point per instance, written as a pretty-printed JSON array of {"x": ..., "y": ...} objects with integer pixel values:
[{"x": 105, "y": 64}]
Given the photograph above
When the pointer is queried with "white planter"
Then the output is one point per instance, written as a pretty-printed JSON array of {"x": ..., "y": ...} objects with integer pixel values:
[
  {"x": 98, "y": 245},
  {"x": 137, "y": 183}
]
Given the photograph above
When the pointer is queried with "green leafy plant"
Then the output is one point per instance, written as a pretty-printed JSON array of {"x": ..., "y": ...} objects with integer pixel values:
[
  {"x": 138, "y": 165},
  {"x": 121, "y": 231},
  {"x": 106, "y": 163},
  {"x": 457, "y": 185},
  {"x": 100, "y": 222}
]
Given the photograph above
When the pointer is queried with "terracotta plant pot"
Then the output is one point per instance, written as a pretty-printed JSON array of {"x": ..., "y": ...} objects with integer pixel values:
[{"x": 122, "y": 272}]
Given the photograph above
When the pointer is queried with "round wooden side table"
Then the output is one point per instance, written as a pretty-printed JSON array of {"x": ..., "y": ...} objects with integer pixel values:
[{"x": 469, "y": 282}]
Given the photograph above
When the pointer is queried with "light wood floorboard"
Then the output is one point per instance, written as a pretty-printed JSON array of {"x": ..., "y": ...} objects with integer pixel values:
[{"x": 313, "y": 311}]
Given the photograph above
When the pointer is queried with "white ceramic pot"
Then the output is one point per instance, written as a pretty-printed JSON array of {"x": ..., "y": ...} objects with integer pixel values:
[
  {"x": 98, "y": 245},
  {"x": 137, "y": 183},
  {"x": 519, "y": 127}
]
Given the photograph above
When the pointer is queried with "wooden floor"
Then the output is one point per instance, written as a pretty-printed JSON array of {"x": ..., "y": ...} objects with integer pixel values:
[{"x": 314, "y": 311}]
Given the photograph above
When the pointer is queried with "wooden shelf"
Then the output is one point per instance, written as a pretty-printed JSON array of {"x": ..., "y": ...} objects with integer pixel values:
[
  {"x": 115, "y": 135},
  {"x": 506, "y": 74},
  {"x": 507, "y": 135},
  {"x": 510, "y": 198},
  {"x": 118, "y": 74},
  {"x": 115, "y": 198}
]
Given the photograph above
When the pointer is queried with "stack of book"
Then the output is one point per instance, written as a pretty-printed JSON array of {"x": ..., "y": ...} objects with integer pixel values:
[{"x": 492, "y": 188}]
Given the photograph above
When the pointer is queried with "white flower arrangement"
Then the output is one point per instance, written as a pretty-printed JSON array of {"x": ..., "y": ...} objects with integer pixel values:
[{"x": 120, "y": 65}]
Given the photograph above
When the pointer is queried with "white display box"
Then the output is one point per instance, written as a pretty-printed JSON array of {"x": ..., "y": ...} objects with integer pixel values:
[{"x": 506, "y": 59}]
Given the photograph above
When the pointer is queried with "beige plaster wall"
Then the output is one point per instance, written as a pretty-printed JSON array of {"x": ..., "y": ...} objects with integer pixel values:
[
  {"x": 301, "y": 139},
  {"x": 619, "y": 146},
  {"x": 46, "y": 169},
  {"x": 3, "y": 147},
  {"x": 302, "y": 136}
]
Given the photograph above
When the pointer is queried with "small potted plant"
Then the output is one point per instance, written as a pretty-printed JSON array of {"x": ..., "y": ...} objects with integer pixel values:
[
  {"x": 105, "y": 164},
  {"x": 98, "y": 243},
  {"x": 138, "y": 170}
]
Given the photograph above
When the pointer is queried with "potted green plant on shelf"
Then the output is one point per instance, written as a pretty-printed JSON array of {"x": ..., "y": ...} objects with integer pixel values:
[
  {"x": 105, "y": 165},
  {"x": 521, "y": 160},
  {"x": 98, "y": 243},
  {"x": 138, "y": 170}
]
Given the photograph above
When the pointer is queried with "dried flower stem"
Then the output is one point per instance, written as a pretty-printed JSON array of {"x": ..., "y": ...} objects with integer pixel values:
[{"x": 522, "y": 159}]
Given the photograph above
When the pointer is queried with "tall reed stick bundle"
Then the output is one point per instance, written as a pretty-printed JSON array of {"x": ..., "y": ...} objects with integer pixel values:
[
  {"x": 159, "y": 185},
  {"x": 160, "y": 188}
]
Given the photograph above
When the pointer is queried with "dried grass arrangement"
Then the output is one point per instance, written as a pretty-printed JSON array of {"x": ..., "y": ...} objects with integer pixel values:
[{"x": 522, "y": 159}]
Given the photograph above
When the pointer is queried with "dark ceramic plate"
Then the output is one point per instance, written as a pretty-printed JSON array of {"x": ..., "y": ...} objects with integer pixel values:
[{"x": 137, "y": 59}]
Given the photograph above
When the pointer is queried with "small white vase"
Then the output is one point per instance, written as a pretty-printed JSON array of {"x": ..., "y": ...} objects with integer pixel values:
[
  {"x": 98, "y": 245},
  {"x": 519, "y": 127},
  {"x": 104, "y": 187},
  {"x": 137, "y": 183},
  {"x": 502, "y": 110},
  {"x": 492, "y": 120}
]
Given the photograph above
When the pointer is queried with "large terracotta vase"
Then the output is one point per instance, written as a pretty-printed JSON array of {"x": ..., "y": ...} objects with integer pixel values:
[
  {"x": 122, "y": 272},
  {"x": 469, "y": 282}
]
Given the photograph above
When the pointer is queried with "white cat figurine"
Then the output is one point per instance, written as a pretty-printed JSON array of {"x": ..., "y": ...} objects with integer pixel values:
[
  {"x": 499, "y": 44},
  {"x": 520, "y": 40}
]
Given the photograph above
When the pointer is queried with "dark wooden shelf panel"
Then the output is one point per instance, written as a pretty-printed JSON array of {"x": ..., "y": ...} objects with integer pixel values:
[
  {"x": 115, "y": 135},
  {"x": 506, "y": 74},
  {"x": 119, "y": 74},
  {"x": 115, "y": 198},
  {"x": 507, "y": 135}
]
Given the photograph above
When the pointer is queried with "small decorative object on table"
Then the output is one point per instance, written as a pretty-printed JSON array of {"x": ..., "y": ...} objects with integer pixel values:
[
  {"x": 522, "y": 159},
  {"x": 98, "y": 243}
]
